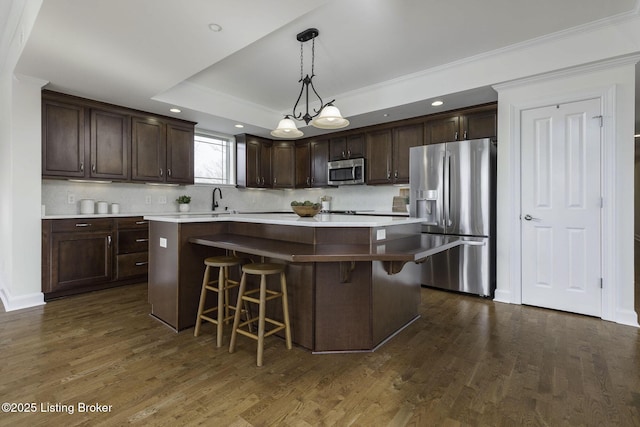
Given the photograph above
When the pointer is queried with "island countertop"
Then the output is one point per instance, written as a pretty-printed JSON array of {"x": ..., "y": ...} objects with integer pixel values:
[{"x": 320, "y": 220}]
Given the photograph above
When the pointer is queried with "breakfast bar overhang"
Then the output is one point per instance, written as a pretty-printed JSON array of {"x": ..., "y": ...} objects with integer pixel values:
[{"x": 354, "y": 281}]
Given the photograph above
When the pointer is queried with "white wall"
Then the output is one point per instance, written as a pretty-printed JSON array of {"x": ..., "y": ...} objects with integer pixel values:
[
  {"x": 19, "y": 166},
  {"x": 614, "y": 82}
]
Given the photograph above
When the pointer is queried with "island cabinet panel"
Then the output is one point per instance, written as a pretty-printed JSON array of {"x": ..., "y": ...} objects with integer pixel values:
[
  {"x": 176, "y": 268},
  {"x": 343, "y": 307}
]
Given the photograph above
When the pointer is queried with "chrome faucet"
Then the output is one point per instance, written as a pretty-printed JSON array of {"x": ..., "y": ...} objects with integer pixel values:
[{"x": 214, "y": 204}]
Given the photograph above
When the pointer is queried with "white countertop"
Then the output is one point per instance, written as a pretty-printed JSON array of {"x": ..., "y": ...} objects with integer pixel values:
[{"x": 320, "y": 220}]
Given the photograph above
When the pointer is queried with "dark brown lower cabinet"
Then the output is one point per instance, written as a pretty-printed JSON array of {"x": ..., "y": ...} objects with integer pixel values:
[{"x": 85, "y": 254}]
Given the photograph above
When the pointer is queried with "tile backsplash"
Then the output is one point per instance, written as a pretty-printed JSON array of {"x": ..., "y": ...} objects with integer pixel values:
[{"x": 61, "y": 197}]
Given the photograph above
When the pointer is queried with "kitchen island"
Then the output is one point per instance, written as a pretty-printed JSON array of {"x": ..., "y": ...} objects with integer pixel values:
[{"x": 353, "y": 281}]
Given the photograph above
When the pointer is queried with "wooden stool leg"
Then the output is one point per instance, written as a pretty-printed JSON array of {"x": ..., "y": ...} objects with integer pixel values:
[
  {"x": 226, "y": 294},
  {"x": 261, "y": 316},
  {"x": 236, "y": 317},
  {"x": 221, "y": 284},
  {"x": 285, "y": 309},
  {"x": 203, "y": 297}
]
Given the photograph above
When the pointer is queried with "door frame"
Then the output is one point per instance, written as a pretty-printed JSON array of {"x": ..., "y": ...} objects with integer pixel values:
[{"x": 606, "y": 96}]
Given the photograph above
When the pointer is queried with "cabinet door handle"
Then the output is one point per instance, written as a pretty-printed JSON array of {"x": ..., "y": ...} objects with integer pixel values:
[
  {"x": 161, "y": 173},
  {"x": 313, "y": 180},
  {"x": 169, "y": 172},
  {"x": 395, "y": 175},
  {"x": 138, "y": 264},
  {"x": 456, "y": 137},
  {"x": 275, "y": 181},
  {"x": 142, "y": 240},
  {"x": 348, "y": 154},
  {"x": 81, "y": 166},
  {"x": 83, "y": 224},
  {"x": 388, "y": 174},
  {"x": 109, "y": 240},
  {"x": 343, "y": 155},
  {"x": 308, "y": 181},
  {"x": 141, "y": 222},
  {"x": 464, "y": 135},
  {"x": 93, "y": 167}
]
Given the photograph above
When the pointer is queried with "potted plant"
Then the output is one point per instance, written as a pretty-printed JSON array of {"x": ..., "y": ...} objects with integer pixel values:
[{"x": 183, "y": 203}]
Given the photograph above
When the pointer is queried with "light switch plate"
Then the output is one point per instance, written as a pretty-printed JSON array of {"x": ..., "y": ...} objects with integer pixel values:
[
  {"x": 163, "y": 242},
  {"x": 381, "y": 234}
]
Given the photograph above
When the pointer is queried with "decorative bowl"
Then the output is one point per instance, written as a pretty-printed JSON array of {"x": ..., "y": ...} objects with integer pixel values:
[{"x": 306, "y": 211}]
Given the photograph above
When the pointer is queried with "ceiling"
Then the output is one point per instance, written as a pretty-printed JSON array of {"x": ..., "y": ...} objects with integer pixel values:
[{"x": 157, "y": 54}]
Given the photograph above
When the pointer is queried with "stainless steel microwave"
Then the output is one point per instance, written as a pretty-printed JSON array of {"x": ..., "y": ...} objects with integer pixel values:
[{"x": 343, "y": 172}]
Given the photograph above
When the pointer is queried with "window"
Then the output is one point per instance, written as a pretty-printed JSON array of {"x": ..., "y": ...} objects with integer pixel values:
[{"x": 214, "y": 159}]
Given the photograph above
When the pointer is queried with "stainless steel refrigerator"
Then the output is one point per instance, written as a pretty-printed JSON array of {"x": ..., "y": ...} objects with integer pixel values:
[{"x": 453, "y": 189}]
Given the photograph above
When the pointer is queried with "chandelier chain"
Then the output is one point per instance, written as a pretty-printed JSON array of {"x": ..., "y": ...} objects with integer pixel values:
[{"x": 301, "y": 61}]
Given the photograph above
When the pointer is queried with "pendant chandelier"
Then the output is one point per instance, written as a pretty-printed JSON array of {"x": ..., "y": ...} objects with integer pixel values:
[{"x": 326, "y": 117}]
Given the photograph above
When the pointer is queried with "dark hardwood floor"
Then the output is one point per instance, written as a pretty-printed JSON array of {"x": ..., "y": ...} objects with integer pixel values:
[{"x": 466, "y": 361}]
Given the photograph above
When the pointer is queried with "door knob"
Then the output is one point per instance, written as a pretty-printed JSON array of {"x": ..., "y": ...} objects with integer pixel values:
[{"x": 530, "y": 218}]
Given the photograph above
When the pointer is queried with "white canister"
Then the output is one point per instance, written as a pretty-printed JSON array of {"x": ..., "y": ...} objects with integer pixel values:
[
  {"x": 115, "y": 208},
  {"x": 103, "y": 207},
  {"x": 87, "y": 206}
]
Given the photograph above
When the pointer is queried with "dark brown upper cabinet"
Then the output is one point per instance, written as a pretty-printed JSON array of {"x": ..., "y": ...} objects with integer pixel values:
[
  {"x": 283, "y": 159},
  {"x": 179, "y": 153},
  {"x": 162, "y": 151},
  {"x": 347, "y": 147},
  {"x": 87, "y": 139},
  {"x": 148, "y": 149},
  {"x": 63, "y": 139},
  {"x": 472, "y": 124},
  {"x": 388, "y": 153},
  {"x": 83, "y": 142},
  {"x": 253, "y": 160},
  {"x": 312, "y": 157}
]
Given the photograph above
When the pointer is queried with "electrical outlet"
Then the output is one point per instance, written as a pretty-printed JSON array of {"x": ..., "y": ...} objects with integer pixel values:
[
  {"x": 71, "y": 198},
  {"x": 147, "y": 200},
  {"x": 162, "y": 200}
]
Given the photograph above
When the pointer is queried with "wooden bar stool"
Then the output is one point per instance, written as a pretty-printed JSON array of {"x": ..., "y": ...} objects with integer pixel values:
[
  {"x": 221, "y": 286},
  {"x": 264, "y": 295}
]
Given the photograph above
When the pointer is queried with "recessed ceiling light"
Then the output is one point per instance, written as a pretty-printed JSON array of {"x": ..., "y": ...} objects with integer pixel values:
[
  {"x": 437, "y": 103},
  {"x": 239, "y": 126},
  {"x": 215, "y": 28},
  {"x": 386, "y": 114},
  {"x": 175, "y": 110}
]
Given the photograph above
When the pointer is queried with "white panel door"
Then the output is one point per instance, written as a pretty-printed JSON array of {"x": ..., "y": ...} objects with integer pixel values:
[{"x": 561, "y": 207}]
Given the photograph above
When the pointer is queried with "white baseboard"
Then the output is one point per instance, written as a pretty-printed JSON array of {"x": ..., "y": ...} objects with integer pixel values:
[
  {"x": 627, "y": 317},
  {"x": 502, "y": 296},
  {"x": 12, "y": 303}
]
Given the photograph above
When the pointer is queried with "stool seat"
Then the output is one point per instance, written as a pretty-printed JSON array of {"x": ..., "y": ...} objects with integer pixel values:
[
  {"x": 262, "y": 296},
  {"x": 263, "y": 268},
  {"x": 222, "y": 261},
  {"x": 221, "y": 287}
]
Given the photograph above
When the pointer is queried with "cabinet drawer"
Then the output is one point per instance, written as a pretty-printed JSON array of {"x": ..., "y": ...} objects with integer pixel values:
[
  {"x": 134, "y": 223},
  {"x": 132, "y": 265},
  {"x": 130, "y": 241},
  {"x": 82, "y": 225}
]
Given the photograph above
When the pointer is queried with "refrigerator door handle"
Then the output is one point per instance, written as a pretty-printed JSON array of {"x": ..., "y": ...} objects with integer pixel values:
[{"x": 446, "y": 222}]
